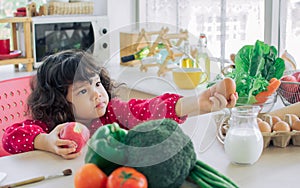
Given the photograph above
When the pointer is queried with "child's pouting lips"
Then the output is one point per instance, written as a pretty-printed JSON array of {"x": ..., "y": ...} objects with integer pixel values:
[{"x": 100, "y": 105}]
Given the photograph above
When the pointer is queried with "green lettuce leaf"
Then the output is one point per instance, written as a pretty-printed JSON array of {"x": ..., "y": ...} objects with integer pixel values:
[
  {"x": 255, "y": 66},
  {"x": 274, "y": 67}
]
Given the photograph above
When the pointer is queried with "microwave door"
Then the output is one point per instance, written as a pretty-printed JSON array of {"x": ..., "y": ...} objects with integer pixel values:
[{"x": 55, "y": 37}]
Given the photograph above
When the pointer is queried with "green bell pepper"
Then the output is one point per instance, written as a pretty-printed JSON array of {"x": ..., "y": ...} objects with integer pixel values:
[{"x": 106, "y": 148}]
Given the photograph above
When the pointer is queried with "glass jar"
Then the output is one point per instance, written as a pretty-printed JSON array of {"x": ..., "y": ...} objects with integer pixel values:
[
  {"x": 203, "y": 59},
  {"x": 243, "y": 142},
  {"x": 186, "y": 60}
]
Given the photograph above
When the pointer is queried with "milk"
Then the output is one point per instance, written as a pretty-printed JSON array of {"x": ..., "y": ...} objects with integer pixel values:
[{"x": 243, "y": 145}]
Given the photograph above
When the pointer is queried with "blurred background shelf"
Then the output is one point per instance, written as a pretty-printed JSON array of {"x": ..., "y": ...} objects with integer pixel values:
[{"x": 28, "y": 59}]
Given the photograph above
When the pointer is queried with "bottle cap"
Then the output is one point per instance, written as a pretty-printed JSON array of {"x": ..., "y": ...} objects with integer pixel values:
[
  {"x": 125, "y": 59},
  {"x": 202, "y": 35}
]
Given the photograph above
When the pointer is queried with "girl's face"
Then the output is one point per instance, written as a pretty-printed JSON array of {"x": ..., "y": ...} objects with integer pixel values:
[{"x": 89, "y": 99}]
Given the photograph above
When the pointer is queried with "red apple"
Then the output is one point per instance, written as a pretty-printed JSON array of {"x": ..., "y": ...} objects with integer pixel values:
[
  {"x": 76, "y": 132},
  {"x": 290, "y": 90},
  {"x": 297, "y": 76},
  {"x": 289, "y": 86}
]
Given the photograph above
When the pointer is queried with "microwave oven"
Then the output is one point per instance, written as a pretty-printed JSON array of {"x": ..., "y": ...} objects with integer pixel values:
[{"x": 54, "y": 33}]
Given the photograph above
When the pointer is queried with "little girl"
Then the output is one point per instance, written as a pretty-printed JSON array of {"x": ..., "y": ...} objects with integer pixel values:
[{"x": 70, "y": 86}]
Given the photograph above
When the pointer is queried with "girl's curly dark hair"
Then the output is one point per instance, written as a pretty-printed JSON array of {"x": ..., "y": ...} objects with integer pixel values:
[{"x": 47, "y": 101}]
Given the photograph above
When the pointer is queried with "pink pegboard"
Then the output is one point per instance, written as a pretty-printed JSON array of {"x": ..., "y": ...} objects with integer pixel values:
[{"x": 13, "y": 100}]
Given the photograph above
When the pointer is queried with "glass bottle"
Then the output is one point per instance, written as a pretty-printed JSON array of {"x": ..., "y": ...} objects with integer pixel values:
[
  {"x": 243, "y": 142},
  {"x": 137, "y": 56},
  {"x": 202, "y": 58},
  {"x": 159, "y": 56},
  {"x": 186, "y": 60}
]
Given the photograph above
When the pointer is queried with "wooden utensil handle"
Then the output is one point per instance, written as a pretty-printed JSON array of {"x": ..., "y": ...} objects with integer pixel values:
[
  {"x": 291, "y": 109},
  {"x": 25, "y": 182}
]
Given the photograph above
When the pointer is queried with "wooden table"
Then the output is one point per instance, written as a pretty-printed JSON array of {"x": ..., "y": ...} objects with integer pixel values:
[{"x": 277, "y": 167}]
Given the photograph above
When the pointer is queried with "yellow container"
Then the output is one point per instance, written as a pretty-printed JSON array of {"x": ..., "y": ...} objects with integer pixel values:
[{"x": 188, "y": 78}]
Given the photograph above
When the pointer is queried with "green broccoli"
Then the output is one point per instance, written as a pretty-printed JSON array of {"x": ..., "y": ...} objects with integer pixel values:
[
  {"x": 165, "y": 155},
  {"x": 162, "y": 152}
]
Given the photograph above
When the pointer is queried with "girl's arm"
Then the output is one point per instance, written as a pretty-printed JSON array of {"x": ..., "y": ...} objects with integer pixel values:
[
  {"x": 19, "y": 137},
  {"x": 204, "y": 103},
  {"x": 173, "y": 106},
  {"x": 30, "y": 135},
  {"x": 128, "y": 114},
  {"x": 220, "y": 95}
]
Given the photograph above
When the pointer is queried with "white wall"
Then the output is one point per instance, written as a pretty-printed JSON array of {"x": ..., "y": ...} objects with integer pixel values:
[
  {"x": 100, "y": 7},
  {"x": 120, "y": 13}
]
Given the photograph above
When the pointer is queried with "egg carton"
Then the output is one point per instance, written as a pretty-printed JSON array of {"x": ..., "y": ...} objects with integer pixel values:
[
  {"x": 276, "y": 138},
  {"x": 281, "y": 139}
]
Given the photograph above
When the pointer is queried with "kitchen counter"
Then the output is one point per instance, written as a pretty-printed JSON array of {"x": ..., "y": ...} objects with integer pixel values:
[
  {"x": 148, "y": 82},
  {"x": 277, "y": 167}
]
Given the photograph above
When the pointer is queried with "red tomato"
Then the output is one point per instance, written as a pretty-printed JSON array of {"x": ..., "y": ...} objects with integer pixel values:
[
  {"x": 90, "y": 176},
  {"x": 126, "y": 177},
  {"x": 77, "y": 132}
]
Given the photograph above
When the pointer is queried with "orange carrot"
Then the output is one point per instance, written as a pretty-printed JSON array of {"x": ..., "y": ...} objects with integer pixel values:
[
  {"x": 274, "y": 84},
  {"x": 272, "y": 80}
]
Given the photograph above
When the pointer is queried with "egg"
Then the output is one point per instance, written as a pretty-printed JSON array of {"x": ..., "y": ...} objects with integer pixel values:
[
  {"x": 281, "y": 126},
  {"x": 226, "y": 87},
  {"x": 275, "y": 119},
  {"x": 264, "y": 127},
  {"x": 259, "y": 120},
  {"x": 294, "y": 118},
  {"x": 296, "y": 125}
]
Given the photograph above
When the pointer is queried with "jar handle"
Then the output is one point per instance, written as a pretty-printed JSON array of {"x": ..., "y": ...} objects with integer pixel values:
[{"x": 220, "y": 123}]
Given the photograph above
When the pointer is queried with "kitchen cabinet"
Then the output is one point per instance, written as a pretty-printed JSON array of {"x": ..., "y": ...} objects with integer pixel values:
[{"x": 27, "y": 59}]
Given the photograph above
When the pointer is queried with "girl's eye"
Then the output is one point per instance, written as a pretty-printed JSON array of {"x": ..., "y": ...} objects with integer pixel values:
[{"x": 83, "y": 91}]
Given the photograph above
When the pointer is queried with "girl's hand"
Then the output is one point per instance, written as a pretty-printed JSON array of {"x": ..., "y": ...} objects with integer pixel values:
[
  {"x": 232, "y": 102},
  {"x": 52, "y": 143},
  {"x": 218, "y": 101}
]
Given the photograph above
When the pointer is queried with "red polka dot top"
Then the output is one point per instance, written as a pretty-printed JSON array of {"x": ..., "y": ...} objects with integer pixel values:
[{"x": 19, "y": 137}]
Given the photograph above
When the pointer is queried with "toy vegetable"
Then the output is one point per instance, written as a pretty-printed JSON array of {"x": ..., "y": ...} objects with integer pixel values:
[
  {"x": 105, "y": 148},
  {"x": 165, "y": 155},
  {"x": 161, "y": 151}
]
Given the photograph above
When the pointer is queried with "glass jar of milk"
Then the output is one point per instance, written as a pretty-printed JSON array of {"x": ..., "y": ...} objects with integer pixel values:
[{"x": 243, "y": 142}]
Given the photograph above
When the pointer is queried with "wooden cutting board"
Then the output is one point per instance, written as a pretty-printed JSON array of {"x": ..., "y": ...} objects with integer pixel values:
[{"x": 291, "y": 109}]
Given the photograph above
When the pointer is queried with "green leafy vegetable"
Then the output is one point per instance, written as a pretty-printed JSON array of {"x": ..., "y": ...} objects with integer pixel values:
[{"x": 255, "y": 66}]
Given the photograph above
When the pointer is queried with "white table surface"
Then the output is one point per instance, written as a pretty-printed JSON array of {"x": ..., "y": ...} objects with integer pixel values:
[{"x": 277, "y": 167}]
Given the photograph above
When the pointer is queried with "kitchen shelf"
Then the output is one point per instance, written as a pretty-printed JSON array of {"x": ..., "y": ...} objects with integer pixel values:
[{"x": 28, "y": 59}]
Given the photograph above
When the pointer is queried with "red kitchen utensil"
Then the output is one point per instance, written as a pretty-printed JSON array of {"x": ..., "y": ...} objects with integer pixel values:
[{"x": 10, "y": 55}]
